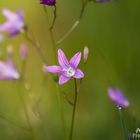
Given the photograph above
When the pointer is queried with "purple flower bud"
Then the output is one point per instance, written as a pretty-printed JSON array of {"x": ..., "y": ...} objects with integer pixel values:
[
  {"x": 85, "y": 53},
  {"x": 23, "y": 51},
  {"x": 14, "y": 24},
  {"x": 118, "y": 98},
  {"x": 48, "y": 2}
]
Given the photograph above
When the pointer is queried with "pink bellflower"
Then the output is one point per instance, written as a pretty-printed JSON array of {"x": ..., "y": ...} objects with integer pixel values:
[
  {"x": 8, "y": 71},
  {"x": 67, "y": 69},
  {"x": 118, "y": 98},
  {"x": 14, "y": 24}
]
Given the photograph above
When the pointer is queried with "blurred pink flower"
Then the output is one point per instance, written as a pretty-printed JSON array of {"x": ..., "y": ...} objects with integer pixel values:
[
  {"x": 117, "y": 97},
  {"x": 14, "y": 24},
  {"x": 8, "y": 70}
]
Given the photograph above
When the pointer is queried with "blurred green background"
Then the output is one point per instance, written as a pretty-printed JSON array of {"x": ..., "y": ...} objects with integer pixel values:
[{"x": 112, "y": 33}]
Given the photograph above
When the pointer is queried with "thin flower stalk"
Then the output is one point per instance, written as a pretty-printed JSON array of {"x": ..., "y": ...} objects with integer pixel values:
[
  {"x": 123, "y": 126},
  {"x": 58, "y": 93},
  {"x": 54, "y": 18},
  {"x": 74, "y": 110},
  {"x": 13, "y": 123},
  {"x": 21, "y": 97},
  {"x": 120, "y": 101},
  {"x": 75, "y": 24}
]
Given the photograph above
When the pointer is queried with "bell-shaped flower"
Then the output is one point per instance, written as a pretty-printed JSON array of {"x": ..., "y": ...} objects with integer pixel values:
[
  {"x": 8, "y": 70},
  {"x": 117, "y": 97},
  {"x": 14, "y": 24},
  {"x": 67, "y": 69}
]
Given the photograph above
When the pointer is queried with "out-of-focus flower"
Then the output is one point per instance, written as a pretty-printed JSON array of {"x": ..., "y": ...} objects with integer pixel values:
[
  {"x": 23, "y": 51},
  {"x": 8, "y": 70},
  {"x": 14, "y": 24},
  {"x": 117, "y": 97},
  {"x": 48, "y": 2},
  {"x": 85, "y": 53},
  {"x": 67, "y": 69}
]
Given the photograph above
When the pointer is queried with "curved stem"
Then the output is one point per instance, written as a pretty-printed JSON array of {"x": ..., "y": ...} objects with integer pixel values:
[
  {"x": 30, "y": 37},
  {"x": 21, "y": 82},
  {"x": 54, "y": 18},
  {"x": 61, "y": 110},
  {"x": 75, "y": 24},
  {"x": 13, "y": 123},
  {"x": 74, "y": 110}
]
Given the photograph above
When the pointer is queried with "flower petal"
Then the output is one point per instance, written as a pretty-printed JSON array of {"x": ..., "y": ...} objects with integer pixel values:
[
  {"x": 117, "y": 96},
  {"x": 63, "y": 79},
  {"x": 5, "y": 27},
  {"x": 75, "y": 60},
  {"x": 52, "y": 69},
  {"x": 78, "y": 74},
  {"x": 62, "y": 59},
  {"x": 8, "y": 73},
  {"x": 8, "y": 14},
  {"x": 20, "y": 14},
  {"x": 9, "y": 27}
]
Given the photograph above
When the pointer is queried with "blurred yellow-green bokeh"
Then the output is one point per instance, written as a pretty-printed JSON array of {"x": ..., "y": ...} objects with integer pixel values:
[{"x": 112, "y": 33}]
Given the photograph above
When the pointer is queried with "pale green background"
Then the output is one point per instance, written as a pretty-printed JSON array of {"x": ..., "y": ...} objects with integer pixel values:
[{"x": 112, "y": 33}]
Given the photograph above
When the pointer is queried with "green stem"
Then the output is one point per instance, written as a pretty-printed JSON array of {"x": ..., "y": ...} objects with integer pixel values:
[
  {"x": 29, "y": 37},
  {"x": 26, "y": 113},
  {"x": 74, "y": 110},
  {"x": 122, "y": 124},
  {"x": 21, "y": 97},
  {"x": 53, "y": 45},
  {"x": 75, "y": 24},
  {"x": 13, "y": 123},
  {"x": 57, "y": 87},
  {"x": 61, "y": 109},
  {"x": 54, "y": 18}
]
